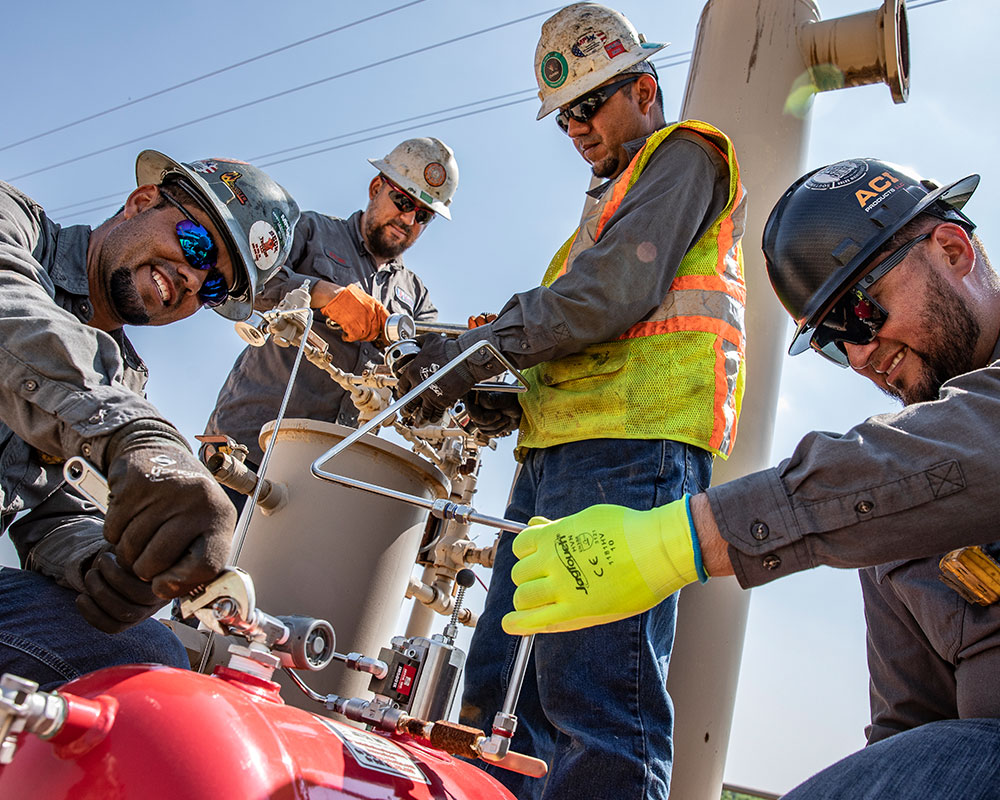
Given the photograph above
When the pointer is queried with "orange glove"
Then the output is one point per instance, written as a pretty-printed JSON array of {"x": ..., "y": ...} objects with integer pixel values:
[
  {"x": 481, "y": 319},
  {"x": 361, "y": 316}
]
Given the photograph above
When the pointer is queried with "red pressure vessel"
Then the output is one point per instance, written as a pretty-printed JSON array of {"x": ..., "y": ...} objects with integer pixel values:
[{"x": 169, "y": 734}]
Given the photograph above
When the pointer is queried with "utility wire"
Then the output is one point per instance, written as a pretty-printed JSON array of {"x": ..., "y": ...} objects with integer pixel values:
[
  {"x": 212, "y": 74},
  {"x": 386, "y": 125},
  {"x": 308, "y": 85}
]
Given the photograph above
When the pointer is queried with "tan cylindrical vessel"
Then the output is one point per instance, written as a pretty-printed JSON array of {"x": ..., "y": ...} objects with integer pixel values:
[{"x": 338, "y": 553}]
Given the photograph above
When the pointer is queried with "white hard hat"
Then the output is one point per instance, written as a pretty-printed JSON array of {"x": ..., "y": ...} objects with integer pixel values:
[
  {"x": 424, "y": 168},
  {"x": 581, "y": 46}
]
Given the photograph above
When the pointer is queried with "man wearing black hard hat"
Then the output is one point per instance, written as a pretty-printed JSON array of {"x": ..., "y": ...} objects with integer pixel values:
[
  {"x": 882, "y": 272},
  {"x": 206, "y": 233}
]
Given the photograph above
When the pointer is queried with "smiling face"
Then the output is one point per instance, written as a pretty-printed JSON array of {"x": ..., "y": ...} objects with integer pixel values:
[
  {"x": 931, "y": 333},
  {"x": 137, "y": 271},
  {"x": 387, "y": 231}
]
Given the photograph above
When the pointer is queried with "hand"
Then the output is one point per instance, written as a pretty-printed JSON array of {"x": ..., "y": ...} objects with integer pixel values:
[
  {"x": 494, "y": 413},
  {"x": 169, "y": 520},
  {"x": 115, "y": 599},
  {"x": 481, "y": 319},
  {"x": 435, "y": 352},
  {"x": 600, "y": 565},
  {"x": 360, "y": 315}
]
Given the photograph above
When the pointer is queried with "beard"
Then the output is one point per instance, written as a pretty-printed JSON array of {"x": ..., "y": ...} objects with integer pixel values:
[
  {"x": 606, "y": 167},
  {"x": 383, "y": 244},
  {"x": 125, "y": 299},
  {"x": 951, "y": 353}
]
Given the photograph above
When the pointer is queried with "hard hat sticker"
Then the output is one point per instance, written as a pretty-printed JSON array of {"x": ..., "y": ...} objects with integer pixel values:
[
  {"x": 264, "y": 244},
  {"x": 230, "y": 178},
  {"x": 588, "y": 44},
  {"x": 377, "y": 753},
  {"x": 280, "y": 225},
  {"x": 205, "y": 167},
  {"x": 615, "y": 48},
  {"x": 843, "y": 173},
  {"x": 554, "y": 69},
  {"x": 434, "y": 174}
]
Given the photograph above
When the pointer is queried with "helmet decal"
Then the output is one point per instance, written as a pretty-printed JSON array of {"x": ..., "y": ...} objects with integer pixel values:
[
  {"x": 554, "y": 69},
  {"x": 591, "y": 42},
  {"x": 230, "y": 178},
  {"x": 435, "y": 174},
  {"x": 264, "y": 244},
  {"x": 836, "y": 175}
]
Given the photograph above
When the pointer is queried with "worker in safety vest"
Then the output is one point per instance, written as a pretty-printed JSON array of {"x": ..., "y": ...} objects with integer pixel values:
[
  {"x": 357, "y": 278},
  {"x": 204, "y": 233},
  {"x": 882, "y": 272},
  {"x": 634, "y": 349}
]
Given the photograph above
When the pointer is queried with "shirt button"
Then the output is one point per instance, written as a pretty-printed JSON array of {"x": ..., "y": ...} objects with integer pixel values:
[
  {"x": 30, "y": 385},
  {"x": 524, "y": 345},
  {"x": 85, "y": 449},
  {"x": 759, "y": 531},
  {"x": 864, "y": 507},
  {"x": 771, "y": 562}
]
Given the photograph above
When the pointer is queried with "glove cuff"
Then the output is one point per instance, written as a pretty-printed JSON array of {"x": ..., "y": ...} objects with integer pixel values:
[
  {"x": 661, "y": 542},
  {"x": 143, "y": 431},
  {"x": 699, "y": 564}
]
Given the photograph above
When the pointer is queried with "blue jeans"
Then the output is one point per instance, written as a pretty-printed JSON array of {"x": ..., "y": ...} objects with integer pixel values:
[
  {"x": 594, "y": 703},
  {"x": 954, "y": 759},
  {"x": 43, "y": 637}
]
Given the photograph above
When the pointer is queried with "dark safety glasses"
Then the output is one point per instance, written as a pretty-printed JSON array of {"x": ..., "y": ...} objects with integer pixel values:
[
  {"x": 584, "y": 109},
  {"x": 201, "y": 253},
  {"x": 406, "y": 204},
  {"x": 856, "y": 318}
]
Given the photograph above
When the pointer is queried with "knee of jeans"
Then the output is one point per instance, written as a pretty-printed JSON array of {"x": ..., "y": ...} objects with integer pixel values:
[{"x": 153, "y": 642}]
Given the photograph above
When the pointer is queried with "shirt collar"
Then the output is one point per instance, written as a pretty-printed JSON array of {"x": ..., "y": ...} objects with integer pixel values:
[{"x": 69, "y": 267}]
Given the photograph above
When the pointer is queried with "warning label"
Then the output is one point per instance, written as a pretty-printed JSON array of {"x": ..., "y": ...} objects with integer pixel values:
[{"x": 377, "y": 753}]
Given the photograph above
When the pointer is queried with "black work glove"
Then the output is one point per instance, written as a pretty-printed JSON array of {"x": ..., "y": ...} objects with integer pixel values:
[
  {"x": 169, "y": 520},
  {"x": 435, "y": 351},
  {"x": 494, "y": 413},
  {"x": 115, "y": 599}
]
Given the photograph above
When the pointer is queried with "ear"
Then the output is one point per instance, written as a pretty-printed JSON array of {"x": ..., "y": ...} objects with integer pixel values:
[
  {"x": 143, "y": 198},
  {"x": 645, "y": 92},
  {"x": 373, "y": 187},
  {"x": 956, "y": 246}
]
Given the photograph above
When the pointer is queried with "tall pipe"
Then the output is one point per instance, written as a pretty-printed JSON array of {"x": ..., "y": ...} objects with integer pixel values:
[{"x": 754, "y": 67}]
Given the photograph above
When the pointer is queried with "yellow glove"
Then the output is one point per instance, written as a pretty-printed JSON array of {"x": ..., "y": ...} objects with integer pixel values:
[
  {"x": 361, "y": 316},
  {"x": 600, "y": 565}
]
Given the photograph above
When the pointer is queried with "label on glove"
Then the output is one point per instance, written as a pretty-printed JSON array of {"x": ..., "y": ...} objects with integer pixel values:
[{"x": 585, "y": 556}]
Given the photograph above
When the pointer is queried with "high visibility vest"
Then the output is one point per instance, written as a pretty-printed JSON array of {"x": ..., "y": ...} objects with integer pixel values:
[{"x": 679, "y": 373}]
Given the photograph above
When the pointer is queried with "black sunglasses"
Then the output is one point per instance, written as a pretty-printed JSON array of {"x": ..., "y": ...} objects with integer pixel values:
[
  {"x": 406, "y": 204},
  {"x": 584, "y": 109},
  {"x": 856, "y": 318},
  {"x": 201, "y": 253}
]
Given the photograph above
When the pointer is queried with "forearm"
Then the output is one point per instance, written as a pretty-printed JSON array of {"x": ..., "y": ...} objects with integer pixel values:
[{"x": 714, "y": 549}]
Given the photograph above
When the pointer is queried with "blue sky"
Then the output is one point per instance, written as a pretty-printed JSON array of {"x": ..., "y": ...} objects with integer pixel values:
[{"x": 802, "y": 700}]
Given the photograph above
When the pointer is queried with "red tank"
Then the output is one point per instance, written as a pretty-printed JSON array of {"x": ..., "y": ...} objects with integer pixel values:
[{"x": 167, "y": 734}]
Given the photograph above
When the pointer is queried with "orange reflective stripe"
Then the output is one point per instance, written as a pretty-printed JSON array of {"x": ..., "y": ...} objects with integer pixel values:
[
  {"x": 696, "y": 324},
  {"x": 710, "y": 283},
  {"x": 622, "y": 184}
]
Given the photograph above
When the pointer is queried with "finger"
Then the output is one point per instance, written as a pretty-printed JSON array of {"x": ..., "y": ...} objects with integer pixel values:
[
  {"x": 202, "y": 563},
  {"x": 525, "y": 543},
  {"x": 91, "y": 612},
  {"x": 540, "y": 620},
  {"x": 124, "y": 582}
]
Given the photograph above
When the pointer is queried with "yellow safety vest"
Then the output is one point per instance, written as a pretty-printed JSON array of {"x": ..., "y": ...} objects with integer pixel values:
[{"x": 679, "y": 373}]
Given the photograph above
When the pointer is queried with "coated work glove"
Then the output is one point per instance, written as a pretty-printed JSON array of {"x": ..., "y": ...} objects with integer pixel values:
[
  {"x": 481, "y": 319},
  {"x": 600, "y": 565},
  {"x": 360, "y": 316},
  {"x": 115, "y": 599},
  {"x": 494, "y": 413},
  {"x": 169, "y": 520},
  {"x": 435, "y": 351}
]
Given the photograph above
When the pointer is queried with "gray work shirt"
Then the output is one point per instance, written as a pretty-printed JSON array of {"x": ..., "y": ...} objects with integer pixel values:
[
  {"x": 915, "y": 483},
  {"x": 331, "y": 249},
  {"x": 680, "y": 193},
  {"x": 65, "y": 387}
]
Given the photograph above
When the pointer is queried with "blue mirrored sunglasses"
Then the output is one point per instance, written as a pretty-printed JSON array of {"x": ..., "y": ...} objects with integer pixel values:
[{"x": 201, "y": 253}]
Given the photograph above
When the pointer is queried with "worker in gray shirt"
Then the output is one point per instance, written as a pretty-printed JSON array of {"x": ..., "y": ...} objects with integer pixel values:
[
  {"x": 882, "y": 272},
  {"x": 357, "y": 279},
  {"x": 205, "y": 233}
]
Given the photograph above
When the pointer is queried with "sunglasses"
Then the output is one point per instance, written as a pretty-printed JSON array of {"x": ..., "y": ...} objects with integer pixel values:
[
  {"x": 406, "y": 204},
  {"x": 584, "y": 109},
  {"x": 201, "y": 253},
  {"x": 856, "y": 318}
]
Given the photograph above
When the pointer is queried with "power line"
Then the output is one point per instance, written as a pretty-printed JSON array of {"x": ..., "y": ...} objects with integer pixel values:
[
  {"x": 308, "y": 85},
  {"x": 212, "y": 74},
  {"x": 661, "y": 63}
]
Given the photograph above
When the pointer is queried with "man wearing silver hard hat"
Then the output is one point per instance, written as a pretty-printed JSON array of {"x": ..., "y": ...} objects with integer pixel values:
[
  {"x": 633, "y": 348},
  {"x": 205, "y": 233},
  {"x": 357, "y": 279}
]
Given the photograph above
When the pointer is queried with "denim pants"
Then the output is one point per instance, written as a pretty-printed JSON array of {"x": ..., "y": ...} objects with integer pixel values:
[
  {"x": 954, "y": 759},
  {"x": 594, "y": 703},
  {"x": 43, "y": 637}
]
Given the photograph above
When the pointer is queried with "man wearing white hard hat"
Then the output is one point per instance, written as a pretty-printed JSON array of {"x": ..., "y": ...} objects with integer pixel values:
[
  {"x": 358, "y": 278},
  {"x": 634, "y": 350}
]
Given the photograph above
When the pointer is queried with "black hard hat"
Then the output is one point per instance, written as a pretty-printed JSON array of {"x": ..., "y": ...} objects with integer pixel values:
[{"x": 825, "y": 229}]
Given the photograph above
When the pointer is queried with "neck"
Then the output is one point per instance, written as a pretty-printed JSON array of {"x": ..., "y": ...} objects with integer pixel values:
[{"x": 104, "y": 319}]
